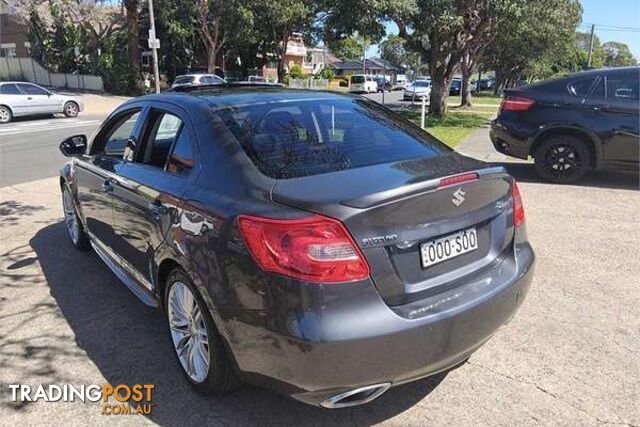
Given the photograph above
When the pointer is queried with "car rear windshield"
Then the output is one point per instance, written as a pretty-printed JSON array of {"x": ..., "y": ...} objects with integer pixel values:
[
  {"x": 184, "y": 80},
  {"x": 315, "y": 136},
  {"x": 422, "y": 83},
  {"x": 357, "y": 79}
]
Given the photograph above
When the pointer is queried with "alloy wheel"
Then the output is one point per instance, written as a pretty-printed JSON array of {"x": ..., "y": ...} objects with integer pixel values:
[
  {"x": 5, "y": 116},
  {"x": 562, "y": 160},
  {"x": 188, "y": 332},
  {"x": 71, "y": 109},
  {"x": 70, "y": 218}
]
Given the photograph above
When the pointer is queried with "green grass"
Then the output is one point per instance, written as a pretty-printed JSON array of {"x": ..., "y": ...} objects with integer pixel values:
[
  {"x": 478, "y": 98},
  {"x": 455, "y": 126}
]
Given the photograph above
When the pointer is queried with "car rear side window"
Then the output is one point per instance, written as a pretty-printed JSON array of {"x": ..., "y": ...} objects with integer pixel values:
[
  {"x": 9, "y": 89},
  {"x": 167, "y": 143},
  {"x": 622, "y": 88},
  {"x": 309, "y": 137}
]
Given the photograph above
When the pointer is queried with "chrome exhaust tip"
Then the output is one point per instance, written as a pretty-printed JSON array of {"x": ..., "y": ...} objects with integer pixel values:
[{"x": 356, "y": 396}]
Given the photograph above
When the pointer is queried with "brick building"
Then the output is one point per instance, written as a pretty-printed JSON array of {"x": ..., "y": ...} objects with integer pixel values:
[{"x": 13, "y": 35}]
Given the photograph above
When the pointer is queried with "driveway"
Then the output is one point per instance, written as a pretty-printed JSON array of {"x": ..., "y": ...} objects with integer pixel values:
[{"x": 569, "y": 357}]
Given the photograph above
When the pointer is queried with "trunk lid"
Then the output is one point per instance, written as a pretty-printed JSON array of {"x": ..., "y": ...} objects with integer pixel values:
[{"x": 392, "y": 209}]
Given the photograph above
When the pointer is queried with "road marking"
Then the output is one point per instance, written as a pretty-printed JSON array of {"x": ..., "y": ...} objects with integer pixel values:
[{"x": 44, "y": 126}]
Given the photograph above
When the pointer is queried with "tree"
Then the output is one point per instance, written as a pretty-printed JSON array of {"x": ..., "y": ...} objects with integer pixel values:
[
  {"x": 349, "y": 49},
  {"x": 444, "y": 32},
  {"x": 279, "y": 19},
  {"x": 533, "y": 34},
  {"x": 617, "y": 54},
  {"x": 394, "y": 49},
  {"x": 131, "y": 6}
]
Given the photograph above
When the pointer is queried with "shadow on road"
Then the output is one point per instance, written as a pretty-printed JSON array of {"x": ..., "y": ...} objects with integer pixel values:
[
  {"x": 525, "y": 172},
  {"x": 127, "y": 342}
]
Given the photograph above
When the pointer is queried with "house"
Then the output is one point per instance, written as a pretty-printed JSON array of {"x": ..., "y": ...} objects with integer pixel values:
[
  {"x": 375, "y": 66},
  {"x": 310, "y": 59},
  {"x": 13, "y": 35}
]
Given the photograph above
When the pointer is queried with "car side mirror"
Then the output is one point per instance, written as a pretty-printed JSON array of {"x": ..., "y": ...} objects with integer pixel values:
[{"x": 74, "y": 146}]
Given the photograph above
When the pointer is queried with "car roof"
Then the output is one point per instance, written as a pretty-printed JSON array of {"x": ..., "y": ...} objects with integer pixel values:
[{"x": 233, "y": 95}]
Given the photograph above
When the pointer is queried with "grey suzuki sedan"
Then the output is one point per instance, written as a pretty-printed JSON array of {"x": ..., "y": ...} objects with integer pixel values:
[{"x": 311, "y": 242}]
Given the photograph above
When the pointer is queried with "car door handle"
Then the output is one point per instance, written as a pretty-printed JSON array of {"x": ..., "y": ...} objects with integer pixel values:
[
  {"x": 107, "y": 186},
  {"x": 29, "y": 98}
]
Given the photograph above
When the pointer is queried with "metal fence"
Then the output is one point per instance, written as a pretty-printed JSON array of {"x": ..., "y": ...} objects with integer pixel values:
[
  {"x": 318, "y": 84},
  {"x": 27, "y": 69}
]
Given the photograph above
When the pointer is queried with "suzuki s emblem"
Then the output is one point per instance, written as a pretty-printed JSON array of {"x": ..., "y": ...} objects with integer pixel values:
[{"x": 458, "y": 197}]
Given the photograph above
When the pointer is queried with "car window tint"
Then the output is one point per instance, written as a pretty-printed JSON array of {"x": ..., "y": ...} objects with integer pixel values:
[
  {"x": 312, "y": 137},
  {"x": 580, "y": 87},
  {"x": 164, "y": 132},
  {"x": 115, "y": 140},
  {"x": 184, "y": 80},
  {"x": 181, "y": 159},
  {"x": 597, "y": 93},
  {"x": 9, "y": 89},
  {"x": 357, "y": 79},
  {"x": 33, "y": 90},
  {"x": 622, "y": 88}
]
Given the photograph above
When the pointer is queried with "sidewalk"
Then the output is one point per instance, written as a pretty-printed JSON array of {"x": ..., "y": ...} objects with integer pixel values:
[{"x": 478, "y": 145}]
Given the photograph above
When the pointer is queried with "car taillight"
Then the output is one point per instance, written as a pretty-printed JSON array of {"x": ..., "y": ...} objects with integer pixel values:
[
  {"x": 518, "y": 207},
  {"x": 516, "y": 103},
  {"x": 315, "y": 249}
]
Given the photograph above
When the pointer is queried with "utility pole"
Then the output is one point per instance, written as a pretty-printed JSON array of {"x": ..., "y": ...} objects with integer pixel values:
[
  {"x": 154, "y": 45},
  {"x": 593, "y": 28},
  {"x": 364, "y": 58}
]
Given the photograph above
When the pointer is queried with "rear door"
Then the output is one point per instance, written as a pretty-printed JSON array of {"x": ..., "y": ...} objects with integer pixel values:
[
  {"x": 146, "y": 197},
  {"x": 12, "y": 96},
  {"x": 622, "y": 138}
]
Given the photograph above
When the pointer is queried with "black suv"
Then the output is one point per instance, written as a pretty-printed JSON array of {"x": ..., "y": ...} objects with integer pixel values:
[{"x": 570, "y": 125}]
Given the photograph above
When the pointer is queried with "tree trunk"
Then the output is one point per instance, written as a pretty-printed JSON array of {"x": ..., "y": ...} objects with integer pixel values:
[
  {"x": 465, "y": 89},
  {"x": 281, "y": 70},
  {"x": 439, "y": 94},
  {"x": 132, "y": 33},
  {"x": 211, "y": 60}
]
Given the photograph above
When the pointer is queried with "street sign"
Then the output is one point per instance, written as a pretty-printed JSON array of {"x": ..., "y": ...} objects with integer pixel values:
[{"x": 154, "y": 43}]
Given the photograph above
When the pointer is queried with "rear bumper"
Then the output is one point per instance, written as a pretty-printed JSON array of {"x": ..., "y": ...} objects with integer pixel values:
[
  {"x": 341, "y": 345},
  {"x": 509, "y": 142}
]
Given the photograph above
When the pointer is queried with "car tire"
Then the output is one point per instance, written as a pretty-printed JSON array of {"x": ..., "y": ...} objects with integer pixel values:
[
  {"x": 216, "y": 373},
  {"x": 5, "y": 114},
  {"x": 75, "y": 229},
  {"x": 71, "y": 109},
  {"x": 562, "y": 159}
]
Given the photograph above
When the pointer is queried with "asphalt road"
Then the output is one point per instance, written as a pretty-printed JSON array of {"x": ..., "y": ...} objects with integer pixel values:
[{"x": 29, "y": 148}]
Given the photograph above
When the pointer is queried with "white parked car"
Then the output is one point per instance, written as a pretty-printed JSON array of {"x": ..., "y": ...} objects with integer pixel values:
[
  {"x": 417, "y": 90},
  {"x": 19, "y": 99},
  {"x": 363, "y": 83},
  {"x": 197, "y": 79}
]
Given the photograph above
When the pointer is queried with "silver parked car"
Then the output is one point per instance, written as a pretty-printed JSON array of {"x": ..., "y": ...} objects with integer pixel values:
[
  {"x": 19, "y": 99},
  {"x": 197, "y": 79}
]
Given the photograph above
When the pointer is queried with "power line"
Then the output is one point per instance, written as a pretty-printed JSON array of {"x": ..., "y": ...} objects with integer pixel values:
[{"x": 610, "y": 27}]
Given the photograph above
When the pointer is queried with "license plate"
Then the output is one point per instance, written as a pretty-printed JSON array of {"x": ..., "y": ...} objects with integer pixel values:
[{"x": 451, "y": 246}]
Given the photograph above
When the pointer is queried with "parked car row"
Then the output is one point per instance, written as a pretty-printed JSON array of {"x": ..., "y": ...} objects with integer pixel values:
[{"x": 20, "y": 99}]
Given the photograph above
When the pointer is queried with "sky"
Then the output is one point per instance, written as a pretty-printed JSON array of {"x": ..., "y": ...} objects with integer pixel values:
[{"x": 604, "y": 13}]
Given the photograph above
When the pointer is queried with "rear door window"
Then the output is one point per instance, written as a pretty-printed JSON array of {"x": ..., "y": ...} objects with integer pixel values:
[
  {"x": 309, "y": 137},
  {"x": 9, "y": 89},
  {"x": 622, "y": 88},
  {"x": 167, "y": 143}
]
